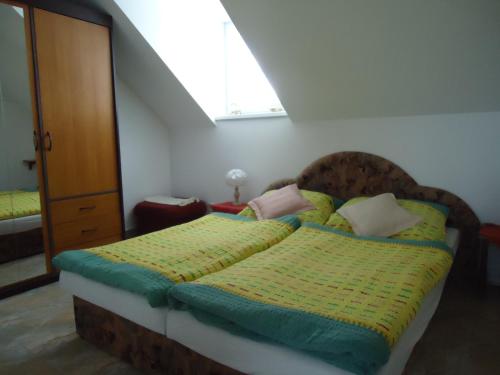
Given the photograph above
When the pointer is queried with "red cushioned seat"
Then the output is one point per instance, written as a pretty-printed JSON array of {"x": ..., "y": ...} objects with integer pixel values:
[{"x": 155, "y": 216}]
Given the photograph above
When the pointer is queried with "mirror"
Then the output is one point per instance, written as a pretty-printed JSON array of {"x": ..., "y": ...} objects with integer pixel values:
[{"x": 21, "y": 242}]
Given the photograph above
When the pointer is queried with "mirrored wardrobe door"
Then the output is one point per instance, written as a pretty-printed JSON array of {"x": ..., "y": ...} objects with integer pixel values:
[{"x": 21, "y": 250}]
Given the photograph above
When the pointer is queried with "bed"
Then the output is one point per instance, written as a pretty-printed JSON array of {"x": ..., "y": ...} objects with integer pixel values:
[
  {"x": 235, "y": 351},
  {"x": 132, "y": 278},
  {"x": 116, "y": 329},
  {"x": 20, "y": 225},
  {"x": 253, "y": 356}
]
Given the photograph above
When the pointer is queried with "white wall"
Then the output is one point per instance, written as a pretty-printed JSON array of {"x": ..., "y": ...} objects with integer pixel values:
[
  {"x": 16, "y": 142},
  {"x": 459, "y": 153},
  {"x": 144, "y": 148},
  {"x": 16, "y": 124}
]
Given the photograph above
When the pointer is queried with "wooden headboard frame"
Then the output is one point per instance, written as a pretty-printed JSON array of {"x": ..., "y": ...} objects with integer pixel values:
[{"x": 350, "y": 174}]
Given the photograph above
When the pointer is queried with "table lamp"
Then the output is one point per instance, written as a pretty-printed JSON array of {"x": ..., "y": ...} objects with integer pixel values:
[{"x": 236, "y": 178}]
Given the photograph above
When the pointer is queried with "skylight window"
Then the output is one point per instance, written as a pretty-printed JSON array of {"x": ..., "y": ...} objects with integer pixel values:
[
  {"x": 199, "y": 43},
  {"x": 247, "y": 89}
]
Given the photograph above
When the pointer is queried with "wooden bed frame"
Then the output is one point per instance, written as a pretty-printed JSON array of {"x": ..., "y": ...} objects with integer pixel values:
[{"x": 342, "y": 175}]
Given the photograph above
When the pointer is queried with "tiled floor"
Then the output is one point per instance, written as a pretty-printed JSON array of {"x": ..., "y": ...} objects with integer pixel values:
[
  {"x": 463, "y": 336},
  {"x": 22, "y": 269},
  {"x": 37, "y": 336}
]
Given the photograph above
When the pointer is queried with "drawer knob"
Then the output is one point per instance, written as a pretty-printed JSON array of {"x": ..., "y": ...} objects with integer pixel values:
[
  {"x": 90, "y": 230},
  {"x": 87, "y": 208}
]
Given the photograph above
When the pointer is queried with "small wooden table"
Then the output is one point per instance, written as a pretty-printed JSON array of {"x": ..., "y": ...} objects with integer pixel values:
[
  {"x": 151, "y": 216},
  {"x": 228, "y": 207}
]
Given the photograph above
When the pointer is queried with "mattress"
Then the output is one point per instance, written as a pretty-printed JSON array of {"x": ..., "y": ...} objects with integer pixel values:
[
  {"x": 20, "y": 224},
  {"x": 257, "y": 357}
]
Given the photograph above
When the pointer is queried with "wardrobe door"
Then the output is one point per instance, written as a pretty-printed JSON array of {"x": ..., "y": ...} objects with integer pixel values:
[{"x": 76, "y": 92}]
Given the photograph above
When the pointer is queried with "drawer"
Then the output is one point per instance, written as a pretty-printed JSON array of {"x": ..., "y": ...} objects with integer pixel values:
[
  {"x": 81, "y": 208},
  {"x": 88, "y": 245},
  {"x": 75, "y": 233}
]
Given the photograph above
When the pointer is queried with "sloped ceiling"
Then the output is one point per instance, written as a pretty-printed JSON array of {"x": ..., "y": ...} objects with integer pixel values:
[
  {"x": 140, "y": 67},
  {"x": 331, "y": 59}
]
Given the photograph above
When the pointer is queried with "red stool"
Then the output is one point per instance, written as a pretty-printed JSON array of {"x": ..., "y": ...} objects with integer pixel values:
[
  {"x": 491, "y": 232},
  {"x": 488, "y": 234},
  {"x": 155, "y": 216},
  {"x": 228, "y": 207}
]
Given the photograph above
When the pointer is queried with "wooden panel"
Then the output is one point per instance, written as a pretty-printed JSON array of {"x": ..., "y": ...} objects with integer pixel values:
[
  {"x": 86, "y": 230},
  {"x": 74, "y": 62},
  {"x": 83, "y": 208},
  {"x": 88, "y": 245}
]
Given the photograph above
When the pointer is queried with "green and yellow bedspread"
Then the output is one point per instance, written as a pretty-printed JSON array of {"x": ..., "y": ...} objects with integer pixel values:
[
  {"x": 344, "y": 298},
  {"x": 18, "y": 203},
  {"x": 151, "y": 264}
]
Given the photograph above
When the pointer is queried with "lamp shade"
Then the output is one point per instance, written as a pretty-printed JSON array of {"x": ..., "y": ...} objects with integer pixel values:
[{"x": 236, "y": 177}]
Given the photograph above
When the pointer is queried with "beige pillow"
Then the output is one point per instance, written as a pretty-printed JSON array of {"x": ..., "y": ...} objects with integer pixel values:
[
  {"x": 379, "y": 216},
  {"x": 284, "y": 201}
]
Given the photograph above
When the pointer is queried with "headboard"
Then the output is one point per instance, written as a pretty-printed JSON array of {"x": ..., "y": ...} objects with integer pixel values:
[{"x": 350, "y": 174}]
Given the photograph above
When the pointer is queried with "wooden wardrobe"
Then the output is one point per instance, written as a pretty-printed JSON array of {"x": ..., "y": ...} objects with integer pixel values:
[{"x": 77, "y": 131}]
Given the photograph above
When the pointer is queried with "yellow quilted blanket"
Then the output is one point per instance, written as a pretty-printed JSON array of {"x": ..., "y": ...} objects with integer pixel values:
[
  {"x": 17, "y": 203},
  {"x": 345, "y": 298},
  {"x": 151, "y": 264}
]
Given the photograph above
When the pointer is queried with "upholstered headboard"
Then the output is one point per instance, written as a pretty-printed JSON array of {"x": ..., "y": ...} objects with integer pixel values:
[{"x": 346, "y": 175}]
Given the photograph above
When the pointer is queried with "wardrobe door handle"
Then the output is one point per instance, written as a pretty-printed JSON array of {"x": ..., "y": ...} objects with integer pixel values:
[
  {"x": 87, "y": 208},
  {"x": 49, "y": 137},
  {"x": 35, "y": 140},
  {"x": 90, "y": 230}
]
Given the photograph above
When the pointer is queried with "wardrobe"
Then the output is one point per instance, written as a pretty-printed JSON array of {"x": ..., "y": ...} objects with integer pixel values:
[{"x": 75, "y": 132}]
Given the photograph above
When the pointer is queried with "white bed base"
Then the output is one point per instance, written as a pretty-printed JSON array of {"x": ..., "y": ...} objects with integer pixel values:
[{"x": 20, "y": 224}]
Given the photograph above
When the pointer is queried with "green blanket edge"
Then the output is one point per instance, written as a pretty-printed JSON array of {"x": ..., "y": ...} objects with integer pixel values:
[
  {"x": 152, "y": 285},
  {"x": 348, "y": 346}
]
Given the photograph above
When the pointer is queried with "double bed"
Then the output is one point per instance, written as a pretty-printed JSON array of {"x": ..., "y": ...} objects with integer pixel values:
[
  {"x": 241, "y": 353},
  {"x": 20, "y": 225},
  {"x": 176, "y": 339}
]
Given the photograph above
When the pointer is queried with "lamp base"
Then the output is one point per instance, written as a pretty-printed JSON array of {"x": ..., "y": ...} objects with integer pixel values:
[{"x": 236, "y": 195}]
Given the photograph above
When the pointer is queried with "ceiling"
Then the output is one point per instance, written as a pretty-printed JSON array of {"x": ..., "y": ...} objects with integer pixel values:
[
  {"x": 139, "y": 66},
  {"x": 332, "y": 59}
]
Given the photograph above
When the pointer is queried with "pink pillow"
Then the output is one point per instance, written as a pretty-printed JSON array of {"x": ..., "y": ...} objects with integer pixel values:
[{"x": 284, "y": 201}]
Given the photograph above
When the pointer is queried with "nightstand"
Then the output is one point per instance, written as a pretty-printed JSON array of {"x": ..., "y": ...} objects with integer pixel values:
[
  {"x": 151, "y": 216},
  {"x": 228, "y": 207}
]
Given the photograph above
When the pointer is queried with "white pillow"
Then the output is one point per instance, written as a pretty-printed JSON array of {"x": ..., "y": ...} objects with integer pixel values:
[
  {"x": 379, "y": 216},
  {"x": 284, "y": 201}
]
